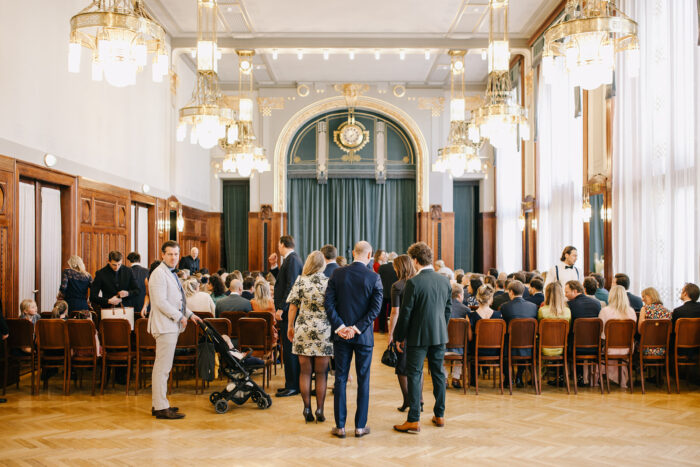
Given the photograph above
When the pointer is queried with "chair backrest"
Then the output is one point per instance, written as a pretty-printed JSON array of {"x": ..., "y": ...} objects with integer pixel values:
[
  {"x": 655, "y": 333},
  {"x": 490, "y": 333},
  {"x": 81, "y": 334},
  {"x": 222, "y": 325},
  {"x": 203, "y": 314},
  {"x": 522, "y": 333},
  {"x": 587, "y": 333},
  {"x": 115, "y": 334},
  {"x": 554, "y": 333},
  {"x": 233, "y": 317},
  {"x": 46, "y": 314},
  {"x": 269, "y": 318},
  {"x": 457, "y": 333},
  {"x": 619, "y": 334},
  {"x": 144, "y": 340},
  {"x": 252, "y": 333},
  {"x": 188, "y": 338},
  {"x": 21, "y": 333},
  {"x": 688, "y": 332},
  {"x": 51, "y": 334}
]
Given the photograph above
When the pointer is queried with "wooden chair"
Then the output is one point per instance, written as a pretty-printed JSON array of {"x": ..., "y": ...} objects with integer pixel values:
[
  {"x": 253, "y": 335},
  {"x": 222, "y": 325},
  {"x": 83, "y": 348},
  {"x": 187, "y": 358},
  {"x": 655, "y": 333},
  {"x": 269, "y": 317},
  {"x": 619, "y": 335},
  {"x": 489, "y": 335},
  {"x": 233, "y": 317},
  {"x": 522, "y": 334},
  {"x": 21, "y": 337},
  {"x": 52, "y": 349},
  {"x": 204, "y": 314},
  {"x": 459, "y": 334},
  {"x": 687, "y": 339},
  {"x": 46, "y": 314},
  {"x": 586, "y": 349},
  {"x": 145, "y": 350},
  {"x": 116, "y": 348},
  {"x": 554, "y": 334}
]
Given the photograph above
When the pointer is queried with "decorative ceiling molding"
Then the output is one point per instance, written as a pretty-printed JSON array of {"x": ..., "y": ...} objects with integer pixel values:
[
  {"x": 267, "y": 104},
  {"x": 435, "y": 104}
]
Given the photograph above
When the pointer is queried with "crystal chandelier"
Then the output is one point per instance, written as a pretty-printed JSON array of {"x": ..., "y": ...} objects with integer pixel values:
[
  {"x": 501, "y": 119},
  {"x": 461, "y": 153},
  {"x": 120, "y": 34},
  {"x": 242, "y": 154},
  {"x": 205, "y": 113},
  {"x": 587, "y": 37}
]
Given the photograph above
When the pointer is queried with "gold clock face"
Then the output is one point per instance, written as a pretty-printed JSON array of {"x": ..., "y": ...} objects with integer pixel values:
[{"x": 351, "y": 135}]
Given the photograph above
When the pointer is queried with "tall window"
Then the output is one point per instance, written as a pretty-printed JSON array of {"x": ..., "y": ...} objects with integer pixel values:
[{"x": 139, "y": 231}]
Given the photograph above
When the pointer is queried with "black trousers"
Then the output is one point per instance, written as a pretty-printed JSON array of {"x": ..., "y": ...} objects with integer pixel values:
[
  {"x": 291, "y": 361},
  {"x": 414, "y": 363}
]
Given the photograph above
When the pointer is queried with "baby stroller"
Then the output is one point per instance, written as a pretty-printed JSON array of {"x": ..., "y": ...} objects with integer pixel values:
[{"x": 241, "y": 386}]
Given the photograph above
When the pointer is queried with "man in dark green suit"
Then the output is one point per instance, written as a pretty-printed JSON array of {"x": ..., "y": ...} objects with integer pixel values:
[{"x": 422, "y": 323}]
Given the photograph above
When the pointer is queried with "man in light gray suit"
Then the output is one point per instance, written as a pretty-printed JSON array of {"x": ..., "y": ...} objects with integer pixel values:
[{"x": 167, "y": 320}]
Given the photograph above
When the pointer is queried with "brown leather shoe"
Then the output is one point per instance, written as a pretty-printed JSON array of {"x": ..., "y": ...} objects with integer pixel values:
[
  {"x": 360, "y": 432},
  {"x": 408, "y": 427},
  {"x": 174, "y": 409},
  {"x": 169, "y": 414},
  {"x": 438, "y": 421},
  {"x": 339, "y": 432}
]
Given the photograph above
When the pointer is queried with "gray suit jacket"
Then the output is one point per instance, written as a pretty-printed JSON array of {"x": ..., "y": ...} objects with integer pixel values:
[
  {"x": 166, "y": 302},
  {"x": 233, "y": 302}
]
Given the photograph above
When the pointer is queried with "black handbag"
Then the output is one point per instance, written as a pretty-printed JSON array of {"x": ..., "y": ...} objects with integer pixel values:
[{"x": 389, "y": 357}]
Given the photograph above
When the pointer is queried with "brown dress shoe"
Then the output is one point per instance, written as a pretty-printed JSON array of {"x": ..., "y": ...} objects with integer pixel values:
[
  {"x": 360, "y": 432},
  {"x": 438, "y": 421},
  {"x": 169, "y": 414},
  {"x": 174, "y": 409},
  {"x": 408, "y": 427},
  {"x": 339, "y": 432}
]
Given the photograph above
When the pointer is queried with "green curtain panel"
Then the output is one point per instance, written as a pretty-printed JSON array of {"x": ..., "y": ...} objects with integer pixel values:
[
  {"x": 465, "y": 204},
  {"x": 596, "y": 244},
  {"x": 236, "y": 208},
  {"x": 344, "y": 211}
]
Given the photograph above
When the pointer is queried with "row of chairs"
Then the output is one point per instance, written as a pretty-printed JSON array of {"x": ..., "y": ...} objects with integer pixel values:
[{"x": 587, "y": 349}]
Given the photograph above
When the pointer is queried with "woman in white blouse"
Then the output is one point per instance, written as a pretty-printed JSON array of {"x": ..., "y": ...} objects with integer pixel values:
[
  {"x": 196, "y": 299},
  {"x": 618, "y": 308}
]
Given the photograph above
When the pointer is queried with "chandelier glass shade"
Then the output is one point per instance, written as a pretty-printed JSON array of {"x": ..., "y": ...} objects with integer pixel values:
[
  {"x": 121, "y": 35},
  {"x": 584, "y": 42}
]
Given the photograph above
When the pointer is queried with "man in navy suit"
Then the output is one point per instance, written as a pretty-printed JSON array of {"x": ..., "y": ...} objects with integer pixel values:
[
  {"x": 330, "y": 253},
  {"x": 518, "y": 307},
  {"x": 635, "y": 300},
  {"x": 133, "y": 261},
  {"x": 285, "y": 276},
  {"x": 353, "y": 300},
  {"x": 536, "y": 295},
  {"x": 581, "y": 306}
]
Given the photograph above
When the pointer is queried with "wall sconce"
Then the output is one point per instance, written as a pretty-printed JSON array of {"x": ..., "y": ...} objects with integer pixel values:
[{"x": 180, "y": 220}]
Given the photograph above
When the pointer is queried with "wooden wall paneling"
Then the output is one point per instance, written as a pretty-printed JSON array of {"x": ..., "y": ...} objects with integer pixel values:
[
  {"x": 213, "y": 225},
  {"x": 9, "y": 238},
  {"x": 196, "y": 234},
  {"x": 256, "y": 241},
  {"x": 436, "y": 228},
  {"x": 486, "y": 240}
]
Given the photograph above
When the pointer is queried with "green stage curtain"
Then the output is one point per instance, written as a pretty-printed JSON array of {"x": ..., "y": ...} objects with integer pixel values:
[
  {"x": 344, "y": 211},
  {"x": 236, "y": 208},
  {"x": 466, "y": 208}
]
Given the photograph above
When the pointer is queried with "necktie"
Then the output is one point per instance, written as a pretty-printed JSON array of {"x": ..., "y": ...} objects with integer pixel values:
[
  {"x": 569, "y": 267},
  {"x": 182, "y": 292}
]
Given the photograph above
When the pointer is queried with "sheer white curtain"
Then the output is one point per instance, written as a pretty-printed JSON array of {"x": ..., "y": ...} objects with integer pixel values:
[
  {"x": 50, "y": 246},
  {"x": 656, "y": 230},
  {"x": 509, "y": 245},
  {"x": 143, "y": 234},
  {"x": 27, "y": 241},
  {"x": 560, "y": 171}
]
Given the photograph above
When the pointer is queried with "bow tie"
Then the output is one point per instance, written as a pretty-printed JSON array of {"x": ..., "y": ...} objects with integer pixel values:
[{"x": 568, "y": 267}]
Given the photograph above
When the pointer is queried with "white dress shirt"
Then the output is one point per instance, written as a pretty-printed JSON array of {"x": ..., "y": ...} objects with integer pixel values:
[{"x": 566, "y": 273}]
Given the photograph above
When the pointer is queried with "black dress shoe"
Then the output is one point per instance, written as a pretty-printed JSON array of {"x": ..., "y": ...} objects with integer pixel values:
[
  {"x": 168, "y": 414},
  {"x": 174, "y": 409},
  {"x": 287, "y": 393},
  {"x": 308, "y": 416},
  {"x": 282, "y": 389},
  {"x": 557, "y": 382}
]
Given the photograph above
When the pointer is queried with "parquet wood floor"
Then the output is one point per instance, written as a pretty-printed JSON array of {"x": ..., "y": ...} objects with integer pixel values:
[{"x": 489, "y": 429}]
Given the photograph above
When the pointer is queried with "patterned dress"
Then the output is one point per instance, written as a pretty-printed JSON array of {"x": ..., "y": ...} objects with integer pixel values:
[
  {"x": 312, "y": 330},
  {"x": 656, "y": 311}
]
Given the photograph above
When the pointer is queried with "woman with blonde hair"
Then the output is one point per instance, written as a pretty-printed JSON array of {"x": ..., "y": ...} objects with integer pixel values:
[
  {"x": 75, "y": 283},
  {"x": 262, "y": 298},
  {"x": 310, "y": 332},
  {"x": 618, "y": 308},
  {"x": 196, "y": 299},
  {"x": 554, "y": 307},
  {"x": 653, "y": 309}
]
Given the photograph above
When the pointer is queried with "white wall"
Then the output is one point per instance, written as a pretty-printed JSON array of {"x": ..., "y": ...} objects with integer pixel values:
[{"x": 120, "y": 136}]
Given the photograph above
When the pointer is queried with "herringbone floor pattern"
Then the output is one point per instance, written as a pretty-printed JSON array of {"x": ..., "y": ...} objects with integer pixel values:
[{"x": 523, "y": 429}]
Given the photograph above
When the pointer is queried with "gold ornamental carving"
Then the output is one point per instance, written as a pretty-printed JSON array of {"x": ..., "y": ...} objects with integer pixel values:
[
  {"x": 472, "y": 102},
  {"x": 435, "y": 104},
  {"x": 267, "y": 104},
  {"x": 351, "y": 92}
]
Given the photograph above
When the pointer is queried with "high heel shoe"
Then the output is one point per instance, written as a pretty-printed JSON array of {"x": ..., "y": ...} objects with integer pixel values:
[
  {"x": 403, "y": 407},
  {"x": 308, "y": 416},
  {"x": 319, "y": 416}
]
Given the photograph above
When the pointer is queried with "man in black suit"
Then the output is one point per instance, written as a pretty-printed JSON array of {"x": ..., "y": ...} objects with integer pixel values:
[
  {"x": 115, "y": 284},
  {"x": 521, "y": 276},
  {"x": 500, "y": 296},
  {"x": 517, "y": 307},
  {"x": 285, "y": 277},
  {"x": 353, "y": 299},
  {"x": 330, "y": 253},
  {"x": 235, "y": 301},
  {"x": 4, "y": 333},
  {"x": 536, "y": 295},
  {"x": 133, "y": 261},
  {"x": 388, "y": 276},
  {"x": 191, "y": 262},
  {"x": 581, "y": 306},
  {"x": 624, "y": 280},
  {"x": 459, "y": 309},
  {"x": 248, "y": 287},
  {"x": 690, "y": 307}
]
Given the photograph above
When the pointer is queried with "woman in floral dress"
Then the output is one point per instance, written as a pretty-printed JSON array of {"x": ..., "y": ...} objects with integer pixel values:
[
  {"x": 653, "y": 309},
  {"x": 310, "y": 332}
]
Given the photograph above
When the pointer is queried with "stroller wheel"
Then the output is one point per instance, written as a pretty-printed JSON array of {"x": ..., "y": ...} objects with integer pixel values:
[
  {"x": 264, "y": 401},
  {"x": 214, "y": 396},
  {"x": 221, "y": 406}
]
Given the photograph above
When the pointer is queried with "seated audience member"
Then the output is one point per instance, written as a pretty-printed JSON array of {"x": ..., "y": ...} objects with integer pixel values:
[
  {"x": 75, "y": 284},
  {"x": 262, "y": 300},
  {"x": 227, "y": 283},
  {"x": 181, "y": 275},
  {"x": 502, "y": 276},
  {"x": 221, "y": 272},
  {"x": 590, "y": 286},
  {"x": 536, "y": 295},
  {"x": 233, "y": 302},
  {"x": 484, "y": 296},
  {"x": 528, "y": 278},
  {"x": 458, "y": 278},
  {"x": 493, "y": 272},
  {"x": 342, "y": 262},
  {"x": 618, "y": 308},
  {"x": 580, "y": 305},
  {"x": 60, "y": 310},
  {"x": 500, "y": 296},
  {"x": 653, "y": 309},
  {"x": 28, "y": 310},
  {"x": 196, "y": 299},
  {"x": 444, "y": 270},
  {"x": 457, "y": 272},
  {"x": 190, "y": 263},
  {"x": 554, "y": 308},
  {"x": 624, "y": 280},
  {"x": 691, "y": 307},
  {"x": 248, "y": 284},
  {"x": 237, "y": 275},
  {"x": 601, "y": 292},
  {"x": 517, "y": 307},
  {"x": 217, "y": 288},
  {"x": 470, "y": 297},
  {"x": 270, "y": 278},
  {"x": 520, "y": 276},
  {"x": 490, "y": 280},
  {"x": 459, "y": 310}
]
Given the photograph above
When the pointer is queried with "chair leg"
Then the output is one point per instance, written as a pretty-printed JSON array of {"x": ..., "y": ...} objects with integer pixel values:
[
  {"x": 668, "y": 381},
  {"x": 500, "y": 374},
  {"x": 476, "y": 374},
  {"x": 607, "y": 375},
  {"x": 573, "y": 365},
  {"x": 33, "y": 371},
  {"x": 566, "y": 373},
  {"x": 104, "y": 374},
  {"x": 641, "y": 370},
  {"x": 94, "y": 370},
  {"x": 66, "y": 375},
  {"x": 539, "y": 375},
  {"x": 599, "y": 368},
  {"x": 128, "y": 375},
  {"x": 630, "y": 375},
  {"x": 38, "y": 378},
  {"x": 510, "y": 375},
  {"x": 138, "y": 372}
]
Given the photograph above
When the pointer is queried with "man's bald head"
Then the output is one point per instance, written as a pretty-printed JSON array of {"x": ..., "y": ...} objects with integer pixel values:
[
  {"x": 362, "y": 252},
  {"x": 236, "y": 286},
  {"x": 194, "y": 252}
]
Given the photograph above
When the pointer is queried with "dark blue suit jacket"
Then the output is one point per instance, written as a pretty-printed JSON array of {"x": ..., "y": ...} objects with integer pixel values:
[
  {"x": 286, "y": 275},
  {"x": 635, "y": 302},
  {"x": 583, "y": 307},
  {"x": 140, "y": 274},
  {"x": 537, "y": 299},
  {"x": 354, "y": 298},
  {"x": 330, "y": 267},
  {"x": 518, "y": 308}
]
